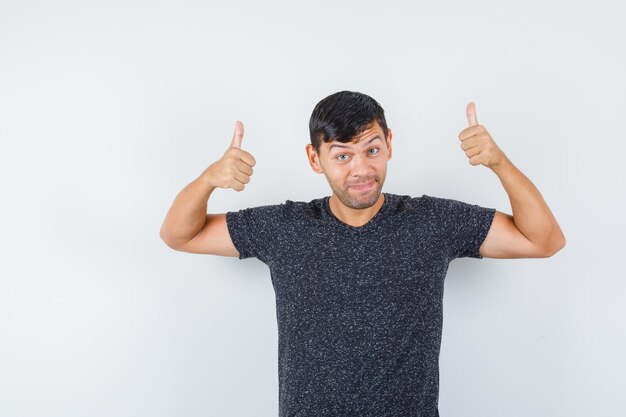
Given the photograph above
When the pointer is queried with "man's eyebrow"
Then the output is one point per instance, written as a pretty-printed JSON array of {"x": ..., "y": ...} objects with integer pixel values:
[{"x": 345, "y": 146}]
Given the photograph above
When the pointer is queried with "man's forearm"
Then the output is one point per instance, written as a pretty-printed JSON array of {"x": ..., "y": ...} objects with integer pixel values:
[
  {"x": 187, "y": 215},
  {"x": 531, "y": 214}
]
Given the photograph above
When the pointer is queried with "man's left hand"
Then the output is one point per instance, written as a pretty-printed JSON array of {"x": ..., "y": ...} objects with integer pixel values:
[{"x": 478, "y": 144}]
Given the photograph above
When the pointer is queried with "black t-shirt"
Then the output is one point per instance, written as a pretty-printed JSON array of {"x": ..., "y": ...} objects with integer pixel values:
[{"x": 359, "y": 309}]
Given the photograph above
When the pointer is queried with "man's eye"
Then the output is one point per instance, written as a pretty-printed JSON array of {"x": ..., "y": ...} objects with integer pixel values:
[
  {"x": 338, "y": 156},
  {"x": 376, "y": 149}
]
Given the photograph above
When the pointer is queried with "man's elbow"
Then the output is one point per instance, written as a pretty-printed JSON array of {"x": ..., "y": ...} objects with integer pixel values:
[
  {"x": 163, "y": 236},
  {"x": 555, "y": 247},
  {"x": 169, "y": 241}
]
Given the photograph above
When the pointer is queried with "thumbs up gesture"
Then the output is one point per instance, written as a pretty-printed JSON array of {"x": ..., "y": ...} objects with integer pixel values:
[
  {"x": 234, "y": 168},
  {"x": 477, "y": 143}
]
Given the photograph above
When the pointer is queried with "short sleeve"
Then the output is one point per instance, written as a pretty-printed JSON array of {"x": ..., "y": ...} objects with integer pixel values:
[
  {"x": 254, "y": 230},
  {"x": 465, "y": 226}
]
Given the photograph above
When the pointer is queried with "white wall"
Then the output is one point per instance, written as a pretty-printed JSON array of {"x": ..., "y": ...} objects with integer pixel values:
[{"x": 108, "y": 110}]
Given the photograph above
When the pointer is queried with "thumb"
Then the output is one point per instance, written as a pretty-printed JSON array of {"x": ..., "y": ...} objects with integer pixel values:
[
  {"x": 471, "y": 113},
  {"x": 238, "y": 135}
]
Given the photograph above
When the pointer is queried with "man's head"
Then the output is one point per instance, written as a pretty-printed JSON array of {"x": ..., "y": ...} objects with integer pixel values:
[{"x": 350, "y": 145}]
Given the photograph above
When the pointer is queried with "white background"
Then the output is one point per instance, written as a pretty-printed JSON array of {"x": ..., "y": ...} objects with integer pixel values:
[{"x": 107, "y": 110}]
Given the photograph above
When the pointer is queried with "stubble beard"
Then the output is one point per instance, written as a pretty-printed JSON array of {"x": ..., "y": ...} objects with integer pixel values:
[{"x": 350, "y": 197}]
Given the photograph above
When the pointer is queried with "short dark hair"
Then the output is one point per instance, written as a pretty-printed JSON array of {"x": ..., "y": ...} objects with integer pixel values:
[{"x": 344, "y": 115}]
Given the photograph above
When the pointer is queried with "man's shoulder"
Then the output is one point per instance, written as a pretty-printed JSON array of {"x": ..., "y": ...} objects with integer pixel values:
[
  {"x": 288, "y": 208},
  {"x": 402, "y": 202},
  {"x": 439, "y": 202},
  {"x": 430, "y": 206},
  {"x": 312, "y": 208}
]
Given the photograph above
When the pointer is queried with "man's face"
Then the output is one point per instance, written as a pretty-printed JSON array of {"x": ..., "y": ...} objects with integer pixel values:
[{"x": 347, "y": 165}]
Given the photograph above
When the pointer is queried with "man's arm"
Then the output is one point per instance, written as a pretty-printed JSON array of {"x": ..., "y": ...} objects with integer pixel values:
[
  {"x": 532, "y": 231},
  {"x": 187, "y": 226}
]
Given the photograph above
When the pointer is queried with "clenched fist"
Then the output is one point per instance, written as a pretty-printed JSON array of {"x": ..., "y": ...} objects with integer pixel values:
[{"x": 234, "y": 168}]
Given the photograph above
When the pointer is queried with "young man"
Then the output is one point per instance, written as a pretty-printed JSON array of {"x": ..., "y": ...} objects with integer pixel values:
[{"x": 359, "y": 275}]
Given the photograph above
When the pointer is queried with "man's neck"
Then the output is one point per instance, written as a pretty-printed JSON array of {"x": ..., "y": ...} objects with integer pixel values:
[{"x": 354, "y": 217}]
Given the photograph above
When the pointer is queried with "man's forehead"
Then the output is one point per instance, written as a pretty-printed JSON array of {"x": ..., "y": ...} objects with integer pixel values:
[{"x": 371, "y": 133}]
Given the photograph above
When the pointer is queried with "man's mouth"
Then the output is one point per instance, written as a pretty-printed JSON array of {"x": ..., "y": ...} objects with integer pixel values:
[{"x": 363, "y": 186}]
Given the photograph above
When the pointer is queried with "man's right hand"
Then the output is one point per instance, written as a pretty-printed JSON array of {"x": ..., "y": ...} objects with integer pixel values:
[{"x": 234, "y": 168}]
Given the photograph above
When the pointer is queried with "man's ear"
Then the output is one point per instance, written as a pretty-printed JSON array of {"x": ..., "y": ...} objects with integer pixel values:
[
  {"x": 313, "y": 159},
  {"x": 389, "y": 135}
]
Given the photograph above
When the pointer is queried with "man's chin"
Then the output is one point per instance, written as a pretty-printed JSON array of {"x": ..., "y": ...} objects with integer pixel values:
[{"x": 361, "y": 200}]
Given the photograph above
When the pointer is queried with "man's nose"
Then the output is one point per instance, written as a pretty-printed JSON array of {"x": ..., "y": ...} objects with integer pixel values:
[{"x": 360, "y": 165}]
